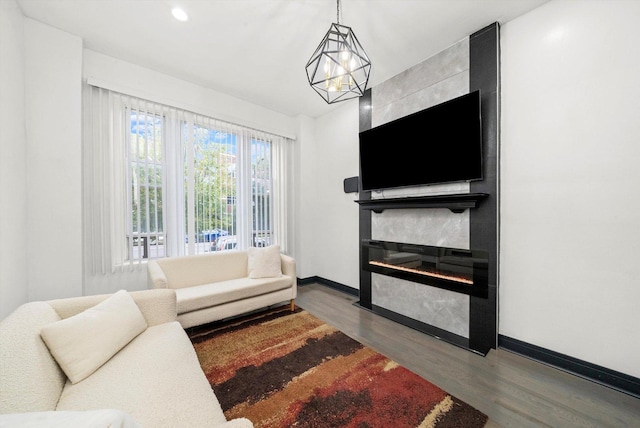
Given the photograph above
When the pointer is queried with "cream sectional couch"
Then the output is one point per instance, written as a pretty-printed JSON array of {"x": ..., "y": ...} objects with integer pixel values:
[
  {"x": 218, "y": 285},
  {"x": 153, "y": 381}
]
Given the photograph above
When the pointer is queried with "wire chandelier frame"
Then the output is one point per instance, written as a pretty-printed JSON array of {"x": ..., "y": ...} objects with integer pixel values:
[{"x": 339, "y": 68}]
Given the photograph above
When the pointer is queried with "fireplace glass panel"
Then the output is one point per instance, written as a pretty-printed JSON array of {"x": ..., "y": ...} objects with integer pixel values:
[{"x": 463, "y": 271}]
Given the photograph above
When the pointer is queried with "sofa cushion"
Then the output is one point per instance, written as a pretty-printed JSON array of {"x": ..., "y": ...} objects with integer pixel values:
[
  {"x": 264, "y": 262},
  {"x": 208, "y": 295},
  {"x": 157, "y": 306},
  {"x": 30, "y": 379},
  {"x": 156, "y": 379},
  {"x": 82, "y": 343},
  {"x": 186, "y": 271}
]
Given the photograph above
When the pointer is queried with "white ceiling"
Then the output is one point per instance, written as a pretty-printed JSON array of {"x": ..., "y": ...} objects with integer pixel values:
[{"x": 257, "y": 50}]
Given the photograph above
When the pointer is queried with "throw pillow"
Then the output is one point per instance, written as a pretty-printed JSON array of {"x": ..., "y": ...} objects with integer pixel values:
[
  {"x": 265, "y": 262},
  {"x": 84, "y": 342}
]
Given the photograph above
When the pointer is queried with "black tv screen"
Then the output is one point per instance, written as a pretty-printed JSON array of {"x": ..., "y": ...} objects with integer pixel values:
[{"x": 441, "y": 144}]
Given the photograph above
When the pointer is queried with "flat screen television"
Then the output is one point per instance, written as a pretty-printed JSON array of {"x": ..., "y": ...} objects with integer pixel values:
[{"x": 441, "y": 144}]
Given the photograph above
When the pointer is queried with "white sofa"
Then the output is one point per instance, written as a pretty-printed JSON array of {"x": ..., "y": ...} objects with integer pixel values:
[
  {"x": 153, "y": 381},
  {"x": 218, "y": 285}
]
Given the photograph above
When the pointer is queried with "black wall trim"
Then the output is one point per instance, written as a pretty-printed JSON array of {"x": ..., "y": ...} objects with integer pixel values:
[
  {"x": 602, "y": 375},
  {"x": 365, "y": 123},
  {"x": 484, "y": 75},
  {"x": 306, "y": 281},
  {"x": 328, "y": 283}
]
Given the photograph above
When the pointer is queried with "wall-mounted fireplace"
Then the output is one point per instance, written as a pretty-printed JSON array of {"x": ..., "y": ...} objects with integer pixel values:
[
  {"x": 447, "y": 293},
  {"x": 462, "y": 271}
]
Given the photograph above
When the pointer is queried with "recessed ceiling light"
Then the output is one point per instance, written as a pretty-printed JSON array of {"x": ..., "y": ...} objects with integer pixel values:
[{"x": 179, "y": 14}]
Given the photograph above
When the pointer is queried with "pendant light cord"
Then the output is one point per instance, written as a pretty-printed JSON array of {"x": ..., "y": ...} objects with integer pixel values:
[{"x": 338, "y": 11}]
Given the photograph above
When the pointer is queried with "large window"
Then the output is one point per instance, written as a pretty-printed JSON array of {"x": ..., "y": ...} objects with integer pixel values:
[
  {"x": 215, "y": 164},
  {"x": 210, "y": 156},
  {"x": 160, "y": 182}
]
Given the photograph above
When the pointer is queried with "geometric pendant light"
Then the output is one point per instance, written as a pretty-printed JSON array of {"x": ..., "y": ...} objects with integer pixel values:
[{"x": 339, "y": 68}]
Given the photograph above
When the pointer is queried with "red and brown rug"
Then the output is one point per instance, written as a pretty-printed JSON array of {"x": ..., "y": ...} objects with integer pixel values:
[{"x": 282, "y": 369}]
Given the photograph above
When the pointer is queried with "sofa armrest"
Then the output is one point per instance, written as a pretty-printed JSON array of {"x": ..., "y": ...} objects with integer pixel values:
[
  {"x": 157, "y": 306},
  {"x": 289, "y": 267},
  {"x": 155, "y": 276}
]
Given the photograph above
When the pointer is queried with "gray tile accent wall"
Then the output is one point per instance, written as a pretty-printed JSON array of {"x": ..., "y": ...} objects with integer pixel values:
[
  {"x": 439, "y": 92},
  {"x": 435, "y": 306},
  {"x": 437, "y": 227},
  {"x": 439, "y": 78},
  {"x": 429, "y": 75}
]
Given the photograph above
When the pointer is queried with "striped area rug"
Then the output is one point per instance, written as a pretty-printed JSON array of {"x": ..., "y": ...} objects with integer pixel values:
[{"x": 283, "y": 369}]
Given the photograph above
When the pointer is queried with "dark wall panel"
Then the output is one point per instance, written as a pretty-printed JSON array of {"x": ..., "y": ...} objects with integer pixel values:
[
  {"x": 365, "y": 215},
  {"x": 484, "y": 74}
]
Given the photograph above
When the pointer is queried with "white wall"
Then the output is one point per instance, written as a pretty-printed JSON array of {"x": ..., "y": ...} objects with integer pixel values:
[
  {"x": 306, "y": 186},
  {"x": 570, "y": 181},
  {"x": 53, "y": 71},
  {"x": 132, "y": 79},
  {"x": 13, "y": 188},
  {"x": 336, "y": 236}
]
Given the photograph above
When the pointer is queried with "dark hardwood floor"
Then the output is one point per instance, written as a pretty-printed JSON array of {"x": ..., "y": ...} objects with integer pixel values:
[{"x": 512, "y": 390}]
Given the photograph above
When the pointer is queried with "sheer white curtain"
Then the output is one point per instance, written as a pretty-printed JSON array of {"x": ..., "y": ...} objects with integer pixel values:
[
  {"x": 283, "y": 193},
  {"x": 173, "y": 182},
  {"x": 244, "y": 196},
  {"x": 104, "y": 191}
]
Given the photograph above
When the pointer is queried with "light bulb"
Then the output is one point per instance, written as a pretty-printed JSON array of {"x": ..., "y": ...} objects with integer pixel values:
[{"x": 179, "y": 14}]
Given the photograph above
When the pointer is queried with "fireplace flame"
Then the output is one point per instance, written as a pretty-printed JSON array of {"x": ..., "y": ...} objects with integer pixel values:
[{"x": 422, "y": 272}]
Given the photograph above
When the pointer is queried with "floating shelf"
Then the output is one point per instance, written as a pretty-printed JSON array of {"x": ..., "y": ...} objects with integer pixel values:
[{"x": 457, "y": 203}]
